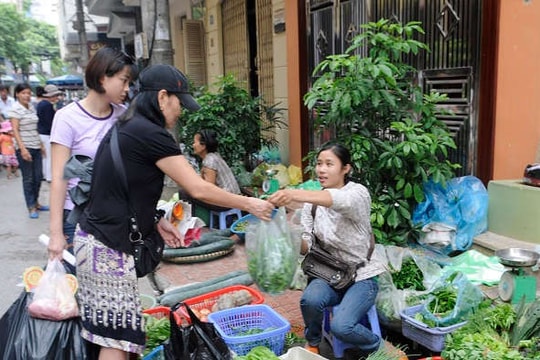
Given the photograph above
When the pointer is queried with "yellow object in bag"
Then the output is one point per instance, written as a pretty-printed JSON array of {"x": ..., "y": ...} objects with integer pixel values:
[{"x": 295, "y": 175}]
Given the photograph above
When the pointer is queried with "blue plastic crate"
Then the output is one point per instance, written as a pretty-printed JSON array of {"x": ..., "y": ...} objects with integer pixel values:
[
  {"x": 233, "y": 324},
  {"x": 431, "y": 338},
  {"x": 156, "y": 354}
]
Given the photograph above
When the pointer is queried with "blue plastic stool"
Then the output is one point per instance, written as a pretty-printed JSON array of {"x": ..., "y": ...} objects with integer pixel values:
[
  {"x": 338, "y": 346},
  {"x": 223, "y": 215}
]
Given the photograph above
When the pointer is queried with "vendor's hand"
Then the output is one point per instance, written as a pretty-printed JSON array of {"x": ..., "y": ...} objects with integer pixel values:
[
  {"x": 281, "y": 198},
  {"x": 170, "y": 233},
  {"x": 260, "y": 208},
  {"x": 57, "y": 244}
]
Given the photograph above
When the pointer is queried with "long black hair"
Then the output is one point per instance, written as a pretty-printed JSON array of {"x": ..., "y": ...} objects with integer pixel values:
[
  {"x": 208, "y": 138},
  {"x": 145, "y": 103}
]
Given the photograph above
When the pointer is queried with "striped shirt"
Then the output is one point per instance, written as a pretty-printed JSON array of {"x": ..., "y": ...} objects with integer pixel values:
[{"x": 28, "y": 121}]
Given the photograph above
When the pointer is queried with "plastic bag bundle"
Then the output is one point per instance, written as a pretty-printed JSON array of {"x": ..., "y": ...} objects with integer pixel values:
[
  {"x": 272, "y": 253},
  {"x": 390, "y": 299},
  {"x": 466, "y": 297},
  {"x": 462, "y": 206},
  {"x": 53, "y": 297}
]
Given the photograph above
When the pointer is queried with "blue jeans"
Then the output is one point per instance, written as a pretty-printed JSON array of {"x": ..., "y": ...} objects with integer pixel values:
[
  {"x": 32, "y": 174},
  {"x": 69, "y": 230},
  {"x": 354, "y": 304}
]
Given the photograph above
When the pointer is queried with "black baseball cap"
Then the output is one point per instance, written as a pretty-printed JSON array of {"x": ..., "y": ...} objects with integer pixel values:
[{"x": 167, "y": 77}]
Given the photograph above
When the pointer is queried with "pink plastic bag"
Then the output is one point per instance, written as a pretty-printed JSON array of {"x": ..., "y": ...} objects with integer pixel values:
[{"x": 53, "y": 298}]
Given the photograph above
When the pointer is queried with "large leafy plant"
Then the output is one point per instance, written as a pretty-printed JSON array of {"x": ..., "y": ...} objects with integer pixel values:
[
  {"x": 243, "y": 123},
  {"x": 374, "y": 107}
]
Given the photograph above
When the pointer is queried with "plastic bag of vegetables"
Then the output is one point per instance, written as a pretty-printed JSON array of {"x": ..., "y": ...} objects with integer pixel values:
[
  {"x": 272, "y": 253},
  {"x": 452, "y": 298}
]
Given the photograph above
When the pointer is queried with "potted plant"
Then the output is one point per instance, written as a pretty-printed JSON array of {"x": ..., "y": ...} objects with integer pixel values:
[
  {"x": 243, "y": 123},
  {"x": 374, "y": 107}
]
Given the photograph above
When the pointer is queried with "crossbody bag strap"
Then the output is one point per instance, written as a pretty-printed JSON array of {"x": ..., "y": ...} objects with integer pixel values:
[
  {"x": 371, "y": 238},
  {"x": 135, "y": 235}
]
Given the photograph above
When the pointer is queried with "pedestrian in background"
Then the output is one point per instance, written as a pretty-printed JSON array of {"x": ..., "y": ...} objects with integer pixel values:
[
  {"x": 6, "y": 102},
  {"x": 148, "y": 152},
  {"x": 78, "y": 128},
  {"x": 29, "y": 148},
  {"x": 45, "y": 112},
  {"x": 9, "y": 159},
  {"x": 39, "y": 96}
]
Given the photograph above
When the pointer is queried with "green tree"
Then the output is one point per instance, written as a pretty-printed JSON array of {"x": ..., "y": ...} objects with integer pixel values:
[
  {"x": 12, "y": 29},
  {"x": 377, "y": 110},
  {"x": 239, "y": 119},
  {"x": 24, "y": 41}
]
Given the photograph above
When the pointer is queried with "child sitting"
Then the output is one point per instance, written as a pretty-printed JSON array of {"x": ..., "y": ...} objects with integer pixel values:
[{"x": 8, "y": 149}]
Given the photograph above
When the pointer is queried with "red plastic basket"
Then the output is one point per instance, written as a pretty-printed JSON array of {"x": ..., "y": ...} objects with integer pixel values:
[
  {"x": 162, "y": 311},
  {"x": 206, "y": 301}
]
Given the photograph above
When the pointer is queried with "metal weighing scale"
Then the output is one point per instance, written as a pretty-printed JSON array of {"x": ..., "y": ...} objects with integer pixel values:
[
  {"x": 517, "y": 282},
  {"x": 271, "y": 184}
]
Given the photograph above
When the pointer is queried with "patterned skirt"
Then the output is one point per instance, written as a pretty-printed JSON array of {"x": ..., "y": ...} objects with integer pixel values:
[{"x": 108, "y": 296}]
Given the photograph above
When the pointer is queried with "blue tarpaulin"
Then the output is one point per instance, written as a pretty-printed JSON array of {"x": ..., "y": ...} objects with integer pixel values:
[{"x": 67, "y": 81}]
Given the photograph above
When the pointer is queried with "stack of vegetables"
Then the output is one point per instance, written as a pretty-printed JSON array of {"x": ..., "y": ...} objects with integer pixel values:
[
  {"x": 238, "y": 277},
  {"x": 496, "y": 332}
]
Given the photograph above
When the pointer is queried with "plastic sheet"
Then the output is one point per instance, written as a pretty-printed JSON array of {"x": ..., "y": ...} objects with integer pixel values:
[{"x": 479, "y": 268}]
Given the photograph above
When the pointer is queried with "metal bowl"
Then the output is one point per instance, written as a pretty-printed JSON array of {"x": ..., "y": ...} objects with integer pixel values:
[{"x": 517, "y": 257}]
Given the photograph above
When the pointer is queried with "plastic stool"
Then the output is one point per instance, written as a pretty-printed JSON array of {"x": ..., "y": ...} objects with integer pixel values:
[
  {"x": 223, "y": 217},
  {"x": 338, "y": 346}
]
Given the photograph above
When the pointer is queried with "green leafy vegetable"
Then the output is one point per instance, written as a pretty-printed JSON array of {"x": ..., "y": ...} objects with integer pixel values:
[
  {"x": 409, "y": 277},
  {"x": 258, "y": 353},
  {"x": 157, "y": 331},
  {"x": 272, "y": 264}
]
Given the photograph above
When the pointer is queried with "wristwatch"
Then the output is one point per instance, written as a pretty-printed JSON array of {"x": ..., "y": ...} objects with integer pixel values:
[
  {"x": 307, "y": 236},
  {"x": 158, "y": 215}
]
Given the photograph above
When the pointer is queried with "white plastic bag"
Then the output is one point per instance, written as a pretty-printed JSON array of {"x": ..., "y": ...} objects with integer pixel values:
[{"x": 53, "y": 297}]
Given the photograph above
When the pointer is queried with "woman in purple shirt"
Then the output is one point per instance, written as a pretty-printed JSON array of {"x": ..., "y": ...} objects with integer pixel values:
[{"x": 79, "y": 127}]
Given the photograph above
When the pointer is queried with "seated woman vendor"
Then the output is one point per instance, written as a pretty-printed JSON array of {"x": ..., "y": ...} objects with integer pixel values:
[{"x": 213, "y": 168}]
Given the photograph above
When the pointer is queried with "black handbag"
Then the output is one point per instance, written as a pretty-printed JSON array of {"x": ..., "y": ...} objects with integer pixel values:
[
  {"x": 319, "y": 263},
  {"x": 337, "y": 273},
  {"x": 198, "y": 341},
  {"x": 147, "y": 252}
]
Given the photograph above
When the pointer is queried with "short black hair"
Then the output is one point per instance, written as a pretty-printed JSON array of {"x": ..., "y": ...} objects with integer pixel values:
[
  {"x": 107, "y": 62},
  {"x": 209, "y": 138},
  {"x": 20, "y": 87},
  {"x": 4, "y": 87},
  {"x": 40, "y": 90}
]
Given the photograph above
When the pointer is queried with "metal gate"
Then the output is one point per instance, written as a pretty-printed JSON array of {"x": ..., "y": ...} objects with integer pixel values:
[
  {"x": 452, "y": 66},
  {"x": 235, "y": 40}
]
